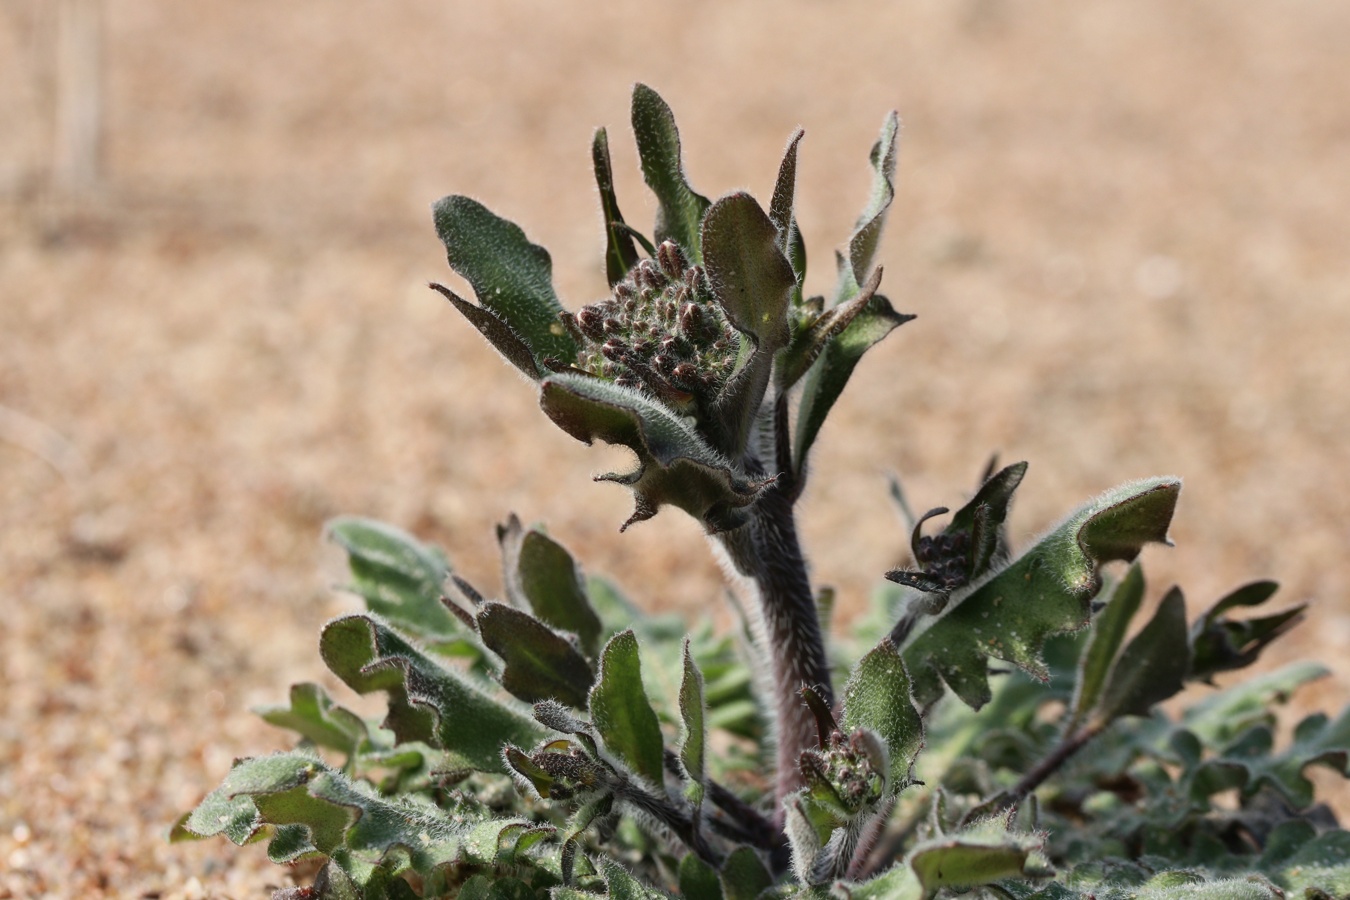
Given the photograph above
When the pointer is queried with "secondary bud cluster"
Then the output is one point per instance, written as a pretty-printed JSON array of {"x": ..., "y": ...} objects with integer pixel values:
[
  {"x": 660, "y": 329},
  {"x": 945, "y": 558},
  {"x": 847, "y": 771}
]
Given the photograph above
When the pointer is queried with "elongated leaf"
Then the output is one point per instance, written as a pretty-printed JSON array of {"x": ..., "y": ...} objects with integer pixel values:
[
  {"x": 680, "y": 211},
  {"x": 784, "y": 218},
  {"x": 862, "y": 245},
  {"x": 541, "y": 574},
  {"x": 540, "y": 663},
  {"x": 984, "y": 518},
  {"x": 1108, "y": 633},
  {"x": 694, "y": 737},
  {"x": 877, "y": 697},
  {"x": 1044, "y": 592},
  {"x": 427, "y": 702},
  {"x": 1153, "y": 665},
  {"x": 675, "y": 465},
  {"x": 512, "y": 278},
  {"x": 621, "y": 712},
  {"x": 826, "y": 379},
  {"x": 817, "y": 330},
  {"x": 500, "y": 335},
  {"x": 314, "y": 715},
  {"x": 399, "y": 577},
  {"x": 620, "y": 252}
]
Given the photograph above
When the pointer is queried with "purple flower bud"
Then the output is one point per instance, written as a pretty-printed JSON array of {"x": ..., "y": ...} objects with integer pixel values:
[{"x": 672, "y": 259}]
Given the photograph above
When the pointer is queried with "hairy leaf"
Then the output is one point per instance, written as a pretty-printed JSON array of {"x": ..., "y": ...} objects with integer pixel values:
[
  {"x": 316, "y": 717},
  {"x": 877, "y": 697},
  {"x": 982, "y": 853},
  {"x": 427, "y": 701},
  {"x": 680, "y": 210},
  {"x": 1153, "y": 665},
  {"x": 862, "y": 246},
  {"x": 1108, "y": 633},
  {"x": 784, "y": 218},
  {"x": 1044, "y": 592},
  {"x": 399, "y": 577},
  {"x": 751, "y": 280},
  {"x": 621, "y": 712},
  {"x": 826, "y": 379},
  {"x": 744, "y": 876},
  {"x": 540, "y": 574},
  {"x": 1220, "y": 644},
  {"x": 698, "y": 880},
  {"x": 675, "y": 465},
  {"x": 620, "y": 252},
  {"x": 512, "y": 278},
  {"x": 540, "y": 663},
  {"x": 694, "y": 732}
]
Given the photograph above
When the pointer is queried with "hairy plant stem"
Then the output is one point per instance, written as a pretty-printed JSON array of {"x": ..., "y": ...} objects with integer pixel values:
[
  {"x": 766, "y": 558},
  {"x": 1069, "y": 745}
]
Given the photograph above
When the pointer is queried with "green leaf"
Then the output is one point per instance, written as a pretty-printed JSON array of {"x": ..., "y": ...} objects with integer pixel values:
[
  {"x": 1108, "y": 633},
  {"x": 541, "y": 574},
  {"x": 752, "y": 281},
  {"x": 749, "y": 274},
  {"x": 862, "y": 245},
  {"x": 983, "y": 853},
  {"x": 744, "y": 876},
  {"x": 675, "y": 465},
  {"x": 815, "y": 331},
  {"x": 896, "y": 883},
  {"x": 316, "y": 717},
  {"x": 1219, "y": 644},
  {"x": 540, "y": 663},
  {"x": 399, "y": 577},
  {"x": 694, "y": 736},
  {"x": 1220, "y": 717},
  {"x": 825, "y": 381},
  {"x": 427, "y": 701},
  {"x": 621, "y": 712},
  {"x": 680, "y": 210},
  {"x": 1318, "y": 740},
  {"x": 1153, "y": 665},
  {"x": 984, "y": 518},
  {"x": 623, "y": 886},
  {"x": 512, "y": 278},
  {"x": 784, "y": 218},
  {"x": 620, "y": 252},
  {"x": 346, "y": 821},
  {"x": 500, "y": 335},
  {"x": 877, "y": 697},
  {"x": 1046, "y": 591},
  {"x": 698, "y": 880}
]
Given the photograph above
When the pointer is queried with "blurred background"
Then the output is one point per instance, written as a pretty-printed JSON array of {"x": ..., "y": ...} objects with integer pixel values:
[{"x": 1123, "y": 227}]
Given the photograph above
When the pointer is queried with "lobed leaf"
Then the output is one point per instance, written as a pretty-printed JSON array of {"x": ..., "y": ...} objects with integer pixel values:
[
  {"x": 680, "y": 209},
  {"x": 1220, "y": 644},
  {"x": 1044, "y": 592},
  {"x": 512, "y": 278},
  {"x": 675, "y": 465},
  {"x": 399, "y": 577},
  {"x": 314, "y": 714},
  {"x": 427, "y": 701}
]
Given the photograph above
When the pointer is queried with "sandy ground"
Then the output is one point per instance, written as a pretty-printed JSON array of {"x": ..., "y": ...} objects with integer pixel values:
[{"x": 1123, "y": 228}]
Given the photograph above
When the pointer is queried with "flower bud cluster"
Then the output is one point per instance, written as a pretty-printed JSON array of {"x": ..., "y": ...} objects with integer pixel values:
[
  {"x": 660, "y": 330},
  {"x": 945, "y": 558},
  {"x": 850, "y": 768}
]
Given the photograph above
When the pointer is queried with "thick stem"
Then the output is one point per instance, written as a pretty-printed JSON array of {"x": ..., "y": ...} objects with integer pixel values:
[{"x": 767, "y": 558}]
